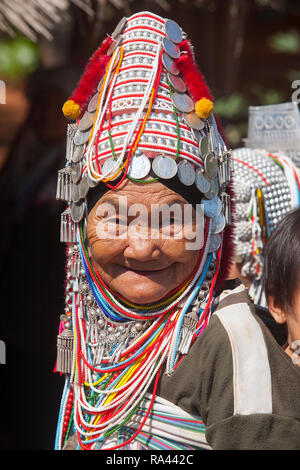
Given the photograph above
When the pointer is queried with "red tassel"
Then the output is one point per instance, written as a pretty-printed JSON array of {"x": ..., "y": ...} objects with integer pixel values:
[
  {"x": 192, "y": 77},
  {"x": 93, "y": 73}
]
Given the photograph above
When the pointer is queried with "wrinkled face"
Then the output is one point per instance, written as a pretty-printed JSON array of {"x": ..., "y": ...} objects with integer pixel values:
[{"x": 141, "y": 265}]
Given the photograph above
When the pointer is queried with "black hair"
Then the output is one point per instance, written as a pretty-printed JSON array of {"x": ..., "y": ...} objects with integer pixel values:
[{"x": 282, "y": 261}]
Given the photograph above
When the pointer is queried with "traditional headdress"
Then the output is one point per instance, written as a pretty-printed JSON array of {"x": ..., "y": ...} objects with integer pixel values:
[
  {"x": 266, "y": 185},
  {"x": 142, "y": 108}
]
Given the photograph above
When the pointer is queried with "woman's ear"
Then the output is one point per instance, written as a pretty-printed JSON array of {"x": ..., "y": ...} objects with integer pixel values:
[{"x": 277, "y": 313}]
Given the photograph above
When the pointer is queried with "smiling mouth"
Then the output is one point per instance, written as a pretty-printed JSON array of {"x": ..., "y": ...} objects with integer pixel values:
[{"x": 144, "y": 272}]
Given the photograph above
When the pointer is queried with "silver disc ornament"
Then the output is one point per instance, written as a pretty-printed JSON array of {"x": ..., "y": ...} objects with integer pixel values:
[
  {"x": 213, "y": 190},
  {"x": 212, "y": 207},
  {"x": 186, "y": 173},
  {"x": 92, "y": 106},
  {"x": 202, "y": 183},
  {"x": 214, "y": 242},
  {"x": 192, "y": 120},
  {"x": 169, "y": 64},
  {"x": 211, "y": 165},
  {"x": 77, "y": 211},
  {"x": 139, "y": 167},
  {"x": 81, "y": 138},
  {"x": 204, "y": 145},
  {"x": 218, "y": 223},
  {"x": 171, "y": 49},
  {"x": 183, "y": 102},
  {"x": 177, "y": 83},
  {"x": 173, "y": 31},
  {"x": 76, "y": 172},
  {"x": 107, "y": 166},
  {"x": 86, "y": 121},
  {"x": 75, "y": 192},
  {"x": 119, "y": 28},
  {"x": 84, "y": 185},
  {"x": 78, "y": 153},
  {"x": 164, "y": 167}
]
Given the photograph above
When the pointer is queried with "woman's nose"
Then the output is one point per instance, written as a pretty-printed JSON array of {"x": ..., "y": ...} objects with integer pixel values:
[{"x": 142, "y": 247}]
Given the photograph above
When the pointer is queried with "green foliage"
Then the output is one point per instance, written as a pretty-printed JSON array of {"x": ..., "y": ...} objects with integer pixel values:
[
  {"x": 18, "y": 57},
  {"x": 230, "y": 106},
  {"x": 288, "y": 42}
]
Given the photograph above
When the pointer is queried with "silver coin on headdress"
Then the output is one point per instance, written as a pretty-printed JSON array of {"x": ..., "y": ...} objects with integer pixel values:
[
  {"x": 213, "y": 189},
  {"x": 92, "y": 106},
  {"x": 77, "y": 211},
  {"x": 76, "y": 172},
  {"x": 100, "y": 84},
  {"x": 177, "y": 83},
  {"x": 183, "y": 102},
  {"x": 78, "y": 153},
  {"x": 114, "y": 45},
  {"x": 214, "y": 242},
  {"x": 218, "y": 223},
  {"x": 202, "y": 183},
  {"x": 86, "y": 121},
  {"x": 173, "y": 31},
  {"x": 212, "y": 207},
  {"x": 119, "y": 28},
  {"x": 81, "y": 138},
  {"x": 211, "y": 165},
  {"x": 84, "y": 185},
  {"x": 204, "y": 145},
  {"x": 139, "y": 167},
  {"x": 186, "y": 173},
  {"x": 109, "y": 165},
  {"x": 164, "y": 166},
  {"x": 193, "y": 121},
  {"x": 75, "y": 192},
  {"x": 169, "y": 64},
  {"x": 171, "y": 49}
]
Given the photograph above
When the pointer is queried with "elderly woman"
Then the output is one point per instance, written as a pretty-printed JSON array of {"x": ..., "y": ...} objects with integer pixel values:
[{"x": 147, "y": 229}]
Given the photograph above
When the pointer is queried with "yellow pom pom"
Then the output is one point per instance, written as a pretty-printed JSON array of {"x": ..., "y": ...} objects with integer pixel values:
[
  {"x": 71, "y": 109},
  {"x": 204, "y": 108}
]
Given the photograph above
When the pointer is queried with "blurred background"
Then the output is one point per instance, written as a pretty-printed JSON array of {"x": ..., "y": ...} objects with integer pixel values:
[{"x": 248, "y": 51}]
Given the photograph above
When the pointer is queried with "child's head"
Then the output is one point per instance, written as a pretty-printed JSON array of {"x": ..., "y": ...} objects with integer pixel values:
[{"x": 282, "y": 274}]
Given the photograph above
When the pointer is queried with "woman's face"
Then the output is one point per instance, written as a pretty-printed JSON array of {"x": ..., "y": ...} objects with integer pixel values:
[{"x": 140, "y": 266}]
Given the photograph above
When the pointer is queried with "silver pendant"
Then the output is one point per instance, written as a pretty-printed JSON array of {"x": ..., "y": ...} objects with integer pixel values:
[
  {"x": 171, "y": 49},
  {"x": 139, "y": 167},
  {"x": 76, "y": 172},
  {"x": 77, "y": 211},
  {"x": 65, "y": 352},
  {"x": 204, "y": 145},
  {"x": 84, "y": 185},
  {"x": 214, "y": 242},
  {"x": 218, "y": 223},
  {"x": 86, "y": 121},
  {"x": 183, "y": 102},
  {"x": 212, "y": 207},
  {"x": 213, "y": 190},
  {"x": 164, "y": 167},
  {"x": 169, "y": 64},
  {"x": 173, "y": 31},
  {"x": 193, "y": 121},
  {"x": 71, "y": 131},
  {"x": 81, "y": 137},
  {"x": 63, "y": 190},
  {"x": 186, "y": 173},
  {"x": 177, "y": 83},
  {"x": 92, "y": 106},
  {"x": 225, "y": 198},
  {"x": 108, "y": 166},
  {"x": 119, "y": 28},
  {"x": 67, "y": 227},
  {"x": 202, "y": 183},
  {"x": 78, "y": 153},
  {"x": 75, "y": 193},
  {"x": 211, "y": 165}
]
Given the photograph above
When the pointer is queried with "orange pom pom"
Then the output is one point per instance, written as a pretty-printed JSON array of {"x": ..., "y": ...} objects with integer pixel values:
[
  {"x": 71, "y": 109},
  {"x": 204, "y": 108}
]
